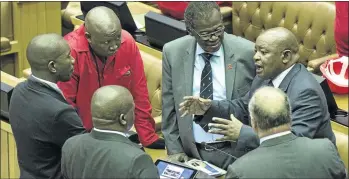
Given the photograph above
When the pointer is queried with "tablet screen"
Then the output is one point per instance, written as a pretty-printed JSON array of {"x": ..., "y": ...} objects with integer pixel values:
[{"x": 169, "y": 170}]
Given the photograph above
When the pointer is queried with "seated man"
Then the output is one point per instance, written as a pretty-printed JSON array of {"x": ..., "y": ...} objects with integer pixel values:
[
  {"x": 40, "y": 117},
  {"x": 276, "y": 65},
  {"x": 281, "y": 153},
  {"x": 105, "y": 54},
  {"x": 106, "y": 152}
]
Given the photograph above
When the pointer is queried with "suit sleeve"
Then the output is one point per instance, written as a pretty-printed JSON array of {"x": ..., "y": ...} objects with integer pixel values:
[
  {"x": 223, "y": 109},
  {"x": 143, "y": 167},
  {"x": 144, "y": 122},
  {"x": 67, "y": 123},
  {"x": 307, "y": 113},
  {"x": 231, "y": 174},
  {"x": 70, "y": 87},
  {"x": 169, "y": 118},
  {"x": 335, "y": 163}
]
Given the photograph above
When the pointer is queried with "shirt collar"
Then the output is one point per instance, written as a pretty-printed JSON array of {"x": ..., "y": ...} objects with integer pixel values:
[
  {"x": 218, "y": 53},
  {"x": 277, "y": 80},
  {"x": 53, "y": 85},
  {"x": 109, "y": 131},
  {"x": 273, "y": 136},
  {"x": 83, "y": 43}
]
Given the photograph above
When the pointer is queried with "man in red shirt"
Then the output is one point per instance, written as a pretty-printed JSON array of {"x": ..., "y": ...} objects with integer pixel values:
[{"x": 107, "y": 55}]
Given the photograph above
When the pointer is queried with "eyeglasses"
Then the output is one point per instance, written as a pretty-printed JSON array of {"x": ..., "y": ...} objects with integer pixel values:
[{"x": 217, "y": 33}]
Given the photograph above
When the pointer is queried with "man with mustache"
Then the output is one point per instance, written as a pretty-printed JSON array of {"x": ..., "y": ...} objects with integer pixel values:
[
  {"x": 208, "y": 63},
  {"x": 276, "y": 65},
  {"x": 107, "y": 55}
]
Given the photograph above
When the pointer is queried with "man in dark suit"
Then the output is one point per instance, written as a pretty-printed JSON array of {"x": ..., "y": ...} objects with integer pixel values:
[
  {"x": 281, "y": 153},
  {"x": 276, "y": 65},
  {"x": 40, "y": 117},
  {"x": 208, "y": 63},
  {"x": 106, "y": 152}
]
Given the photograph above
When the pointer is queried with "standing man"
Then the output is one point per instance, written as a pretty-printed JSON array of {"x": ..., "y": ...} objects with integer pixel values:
[
  {"x": 107, "y": 55},
  {"x": 106, "y": 152},
  {"x": 40, "y": 117},
  {"x": 208, "y": 63},
  {"x": 276, "y": 65},
  {"x": 281, "y": 153}
]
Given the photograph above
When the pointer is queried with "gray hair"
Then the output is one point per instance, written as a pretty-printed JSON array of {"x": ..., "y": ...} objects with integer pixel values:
[
  {"x": 198, "y": 10},
  {"x": 269, "y": 108}
]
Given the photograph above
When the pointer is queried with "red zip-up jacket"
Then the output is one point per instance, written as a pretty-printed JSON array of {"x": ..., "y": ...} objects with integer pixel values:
[{"x": 124, "y": 68}]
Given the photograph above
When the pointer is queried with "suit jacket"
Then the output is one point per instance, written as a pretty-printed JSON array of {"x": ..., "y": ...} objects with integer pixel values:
[
  {"x": 41, "y": 121},
  {"x": 177, "y": 82},
  {"x": 105, "y": 155},
  {"x": 310, "y": 116},
  {"x": 290, "y": 156}
]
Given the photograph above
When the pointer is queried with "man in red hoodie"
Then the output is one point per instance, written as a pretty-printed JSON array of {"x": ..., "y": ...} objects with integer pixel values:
[{"x": 107, "y": 55}]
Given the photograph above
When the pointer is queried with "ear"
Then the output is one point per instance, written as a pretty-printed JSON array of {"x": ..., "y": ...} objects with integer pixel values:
[
  {"x": 88, "y": 37},
  {"x": 286, "y": 56},
  {"x": 122, "y": 120},
  {"x": 52, "y": 66}
]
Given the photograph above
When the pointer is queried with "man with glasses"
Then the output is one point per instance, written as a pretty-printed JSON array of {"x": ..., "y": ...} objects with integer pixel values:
[{"x": 210, "y": 64}]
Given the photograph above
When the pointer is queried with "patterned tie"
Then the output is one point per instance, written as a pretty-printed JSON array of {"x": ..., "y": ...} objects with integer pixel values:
[{"x": 206, "y": 86}]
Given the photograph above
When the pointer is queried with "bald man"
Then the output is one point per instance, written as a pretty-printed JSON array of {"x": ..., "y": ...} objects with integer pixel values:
[
  {"x": 106, "y": 152},
  {"x": 40, "y": 117},
  {"x": 107, "y": 55},
  {"x": 276, "y": 65},
  {"x": 281, "y": 153}
]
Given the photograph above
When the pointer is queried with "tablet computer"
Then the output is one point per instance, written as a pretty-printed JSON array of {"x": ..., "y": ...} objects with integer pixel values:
[{"x": 174, "y": 171}]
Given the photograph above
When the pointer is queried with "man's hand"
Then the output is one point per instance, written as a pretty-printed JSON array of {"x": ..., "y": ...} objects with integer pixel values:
[
  {"x": 180, "y": 157},
  {"x": 229, "y": 128},
  {"x": 194, "y": 105}
]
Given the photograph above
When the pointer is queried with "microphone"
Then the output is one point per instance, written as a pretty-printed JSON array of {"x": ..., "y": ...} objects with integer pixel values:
[{"x": 214, "y": 148}]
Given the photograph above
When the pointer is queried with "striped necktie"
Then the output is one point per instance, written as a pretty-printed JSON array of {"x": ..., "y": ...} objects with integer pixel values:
[{"x": 206, "y": 85}]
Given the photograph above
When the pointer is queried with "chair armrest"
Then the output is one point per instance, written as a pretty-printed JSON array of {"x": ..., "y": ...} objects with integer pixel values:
[
  {"x": 5, "y": 44},
  {"x": 27, "y": 72},
  {"x": 314, "y": 65}
]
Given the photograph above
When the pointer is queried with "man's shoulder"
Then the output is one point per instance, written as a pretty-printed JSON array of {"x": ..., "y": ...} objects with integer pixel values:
[
  {"x": 180, "y": 43},
  {"x": 303, "y": 80},
  {"x": 314, "y": 146}
]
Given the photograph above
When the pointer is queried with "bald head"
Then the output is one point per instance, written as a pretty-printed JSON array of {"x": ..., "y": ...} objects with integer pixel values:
[
  {"x": 282, "y": 38},
  {"x": 45, "y": 48},
  {"x": 109, "y": 102},
  {"x": 269, "y": 108},
  {"x": 101, "y": 20}
]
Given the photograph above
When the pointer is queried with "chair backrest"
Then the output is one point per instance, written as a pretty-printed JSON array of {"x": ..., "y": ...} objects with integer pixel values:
[
  {"x": 311, "y": 22},
  {"x": 153, "y": 73}
]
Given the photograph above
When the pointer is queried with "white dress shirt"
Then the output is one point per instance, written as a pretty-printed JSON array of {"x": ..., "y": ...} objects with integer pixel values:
[
  {"x": 273, "y": 136},
  {"x": 109, "y": 131},
  {"x": 219, "y": 89},
  {"x": 278, "y": 79}
]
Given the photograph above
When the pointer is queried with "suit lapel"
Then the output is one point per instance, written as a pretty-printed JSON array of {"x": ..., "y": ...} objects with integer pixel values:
[
  {"x": 229, "y": 66},
  {"x": 188, "y": 60},
  {"x": 188, "y": 65},
  {"x": 288, "y": 78}
]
